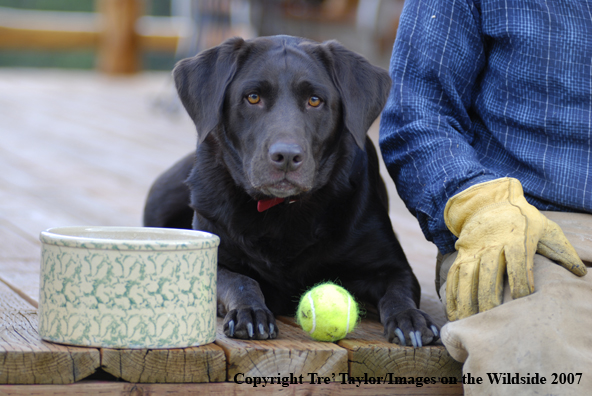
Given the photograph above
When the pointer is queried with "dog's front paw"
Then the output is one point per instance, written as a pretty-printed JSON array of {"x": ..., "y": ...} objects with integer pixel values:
[
  {"x": 411, "y": 327},
  {"x": 250, "y": 324}
]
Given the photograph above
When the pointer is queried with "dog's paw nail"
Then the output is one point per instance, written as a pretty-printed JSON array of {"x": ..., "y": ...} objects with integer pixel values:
[
  {"x": 434, "y": 330},
  {"x": 418, "y": 339},
  {"x": 250, "y": 330},
  {"x": 401, "y": 336},
  {"x": 261, "y": 330},
  {"x": 231, "y": 328},
  {"x": 413, "y": 340},
  {"x": 271, "y": 329}
]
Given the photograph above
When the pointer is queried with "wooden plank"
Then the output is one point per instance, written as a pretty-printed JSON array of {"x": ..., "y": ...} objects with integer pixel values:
[
  {"x": 92, "y": 388},
  {"x": 29, "y": 215},
  {"x": 33, "y": 29},
  {"x": 26, "y": 359},
  {"x": 370, "y": 354},
  {"x": 15, "y": 246},
  {"x": 104, "y": 199},
  {"x": 22, "y": 276},
  {"x": 100, "y": 170},
  {"x": 17, "y": 38},
  {"x": 19, "y": 261},
  {"x": 206, "y": 363},
  {"x": 56, "y": 30},
  {"x": 293, "y": 352},
  {"x": 37, "y": 39}
]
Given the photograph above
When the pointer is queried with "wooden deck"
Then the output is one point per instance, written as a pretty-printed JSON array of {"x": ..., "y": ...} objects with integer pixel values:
[{"x": 79, "y": 148}]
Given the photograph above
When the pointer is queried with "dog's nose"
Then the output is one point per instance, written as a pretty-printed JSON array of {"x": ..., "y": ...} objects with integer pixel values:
[{"x": 286, "y": 157}]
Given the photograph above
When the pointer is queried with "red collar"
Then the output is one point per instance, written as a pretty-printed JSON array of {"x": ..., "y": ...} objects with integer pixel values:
[{"x": 265, "y": 204}]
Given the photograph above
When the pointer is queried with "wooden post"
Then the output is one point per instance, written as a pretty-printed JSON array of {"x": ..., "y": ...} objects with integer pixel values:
[{"x": 119, "y": 49}]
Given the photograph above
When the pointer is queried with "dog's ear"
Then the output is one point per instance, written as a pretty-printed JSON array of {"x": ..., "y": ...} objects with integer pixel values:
[
  {"x": 364, "y": 88},
  {"x": 202, "y": 81}
]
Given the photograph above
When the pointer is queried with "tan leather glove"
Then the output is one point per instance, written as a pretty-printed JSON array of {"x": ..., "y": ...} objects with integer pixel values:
[{"x": 498, "y": 232}]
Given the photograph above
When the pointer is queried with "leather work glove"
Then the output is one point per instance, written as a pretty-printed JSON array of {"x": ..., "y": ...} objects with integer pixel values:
[{"x": 498, "y": 232}]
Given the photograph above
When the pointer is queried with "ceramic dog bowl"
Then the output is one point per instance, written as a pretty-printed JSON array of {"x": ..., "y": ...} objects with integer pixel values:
[{"x": 128, "y": 287}]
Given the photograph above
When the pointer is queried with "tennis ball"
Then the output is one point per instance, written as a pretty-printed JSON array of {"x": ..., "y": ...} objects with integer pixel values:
[{"x": 327, "y": 312}]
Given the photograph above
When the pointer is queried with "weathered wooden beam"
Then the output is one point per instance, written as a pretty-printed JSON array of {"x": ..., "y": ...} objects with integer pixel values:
[
  {"x": 52, "y": 30},
  {"x": 19, "y": 259},
  {"x": 370, "y": 354},
  {"x": 35, "y": 29},
  {"x": 26, "y": 359},
  {"x": 293, "y": 352},
  {"x": 205, "y": 363},
  {"x": 39, "y": 39}
]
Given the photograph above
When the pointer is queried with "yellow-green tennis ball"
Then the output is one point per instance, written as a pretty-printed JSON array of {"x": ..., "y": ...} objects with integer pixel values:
[{"x": 327, "y": 312}]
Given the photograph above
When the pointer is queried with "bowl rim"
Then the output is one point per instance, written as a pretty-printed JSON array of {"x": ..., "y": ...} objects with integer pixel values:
[{"x": 188, "y": 239}]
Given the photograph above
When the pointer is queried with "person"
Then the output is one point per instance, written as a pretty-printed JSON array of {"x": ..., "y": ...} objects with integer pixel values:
[{"x": 487, "y": 135}]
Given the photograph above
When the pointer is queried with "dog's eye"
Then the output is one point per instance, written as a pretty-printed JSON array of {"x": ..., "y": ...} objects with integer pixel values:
[
  {"x": 314, "y": 101},
  {"x": 253, "y": 98}
]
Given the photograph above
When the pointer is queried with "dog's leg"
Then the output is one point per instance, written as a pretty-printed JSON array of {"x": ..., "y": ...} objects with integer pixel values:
[
  {"x": 403, "y": 322},
  {"x": 242, "y": 304}
]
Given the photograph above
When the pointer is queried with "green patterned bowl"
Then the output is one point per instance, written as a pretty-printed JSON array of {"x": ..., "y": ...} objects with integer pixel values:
[{"x": 128, "y": 287}]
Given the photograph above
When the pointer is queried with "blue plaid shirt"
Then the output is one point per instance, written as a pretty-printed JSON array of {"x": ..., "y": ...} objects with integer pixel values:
[{"x": 488, "y": 89}]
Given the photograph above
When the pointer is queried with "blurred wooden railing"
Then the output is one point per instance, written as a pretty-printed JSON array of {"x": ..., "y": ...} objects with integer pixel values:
[{"x": 117, "y": 30}]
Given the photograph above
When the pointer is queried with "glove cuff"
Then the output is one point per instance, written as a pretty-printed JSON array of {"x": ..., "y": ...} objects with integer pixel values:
[{"x": 462, "y": 206}]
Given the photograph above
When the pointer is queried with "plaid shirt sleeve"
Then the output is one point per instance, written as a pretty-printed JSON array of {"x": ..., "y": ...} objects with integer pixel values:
[{"x": 488, "y": 89}]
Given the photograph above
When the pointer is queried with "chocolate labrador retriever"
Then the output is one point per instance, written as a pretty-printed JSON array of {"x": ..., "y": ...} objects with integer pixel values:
[{"x": 285, "y": 175}]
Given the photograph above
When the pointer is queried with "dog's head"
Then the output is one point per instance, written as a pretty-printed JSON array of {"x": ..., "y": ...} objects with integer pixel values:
[{"x": 280, "y": 107}]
